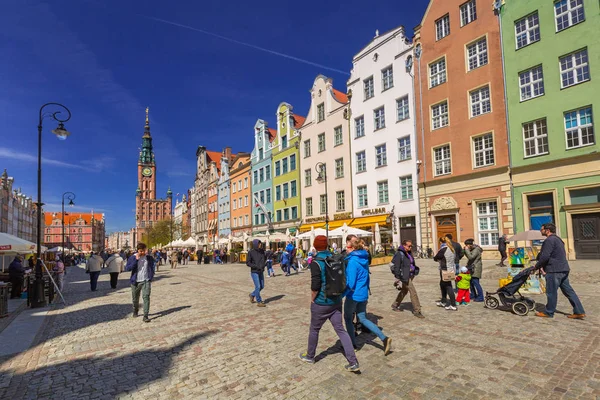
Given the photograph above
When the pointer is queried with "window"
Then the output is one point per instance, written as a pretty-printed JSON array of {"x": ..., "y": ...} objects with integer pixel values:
[
  {"x": 439, "y": 115},
  {"x": 235, "y": 222},
  {"x": 277, "y": 168},
  {"x": 340, "y": 201},
  {"x": 363, "y": 201},
  {"x": 487, "y": 221},
  {"x": 380, "y": 156},
  {"x": 268, "y": 172},
  {"x": 278, "y": 215},
  {"x": 294, "y": 212},
  {"x": 442, "y": 27},
  {"x": 480, "y": 101},
  {"x": 261, "y": 175},
  {"x": 531, "y": 83},
  {"x": 245, "y": 183},
  {"x": 579, "y": 128},
  {"x": 256, "y": 219},
  {"x": 387, "y": 78},
  {"x": 286, "y": 191},
  {"x": 338, "y": 137},
  {"x": 307, "y": 177},
  {"x": 255, "y": 177},
  {"x": 268, "y": 195},
  {"x": 292, "y": 162},
  {"x": 284, "y": 166},
  {"x": 437, "y": 72},
  {"x": 574, "y": 68},
  {"x": 468, "y": 12},
  {"x": 406, "y": 187},
  {"x": 382, "y": 192},
  {"x": 339, "y": 168},
  {"x": 246, "y": 219},
  {"x": 307, "y": 148},
  {"x": 246, "y": 201},
  {"x": 293, "y": 188},
  {"x": 286, "y": 214},
  {"x": 235, "y": 204},
  {"x": 277, "y": 193},
  {"x": 404, "y": 148},
  {"x": 441, "y": 160},
  {"x": 262, "y": 196},
  {"x": 260, "y": 154},
  {"x": 369, "y": 88},
  {"x": 477, "y": 54},
  {"x": 535, "y": 138},
  {"x": 361, "y": 161},
  {"x": 233, "y": 187},
  {"x": 321, "y": 142},
  {"x": 527, "y": 30},
  {"x": 483, "y": 148},
  {"x": 323, "y": 203},
  {"x": 321, "y": 112},
  {"x": 379, "y": 115},
  {"x": 284, "y": 143},
  {"x": 568, "y": 13},
  {"x": 402, "y": 108},
  {"x": 359, "y": 124},
  {"x": 47, "y": 239},
  {"x": 309, "y": 206}
]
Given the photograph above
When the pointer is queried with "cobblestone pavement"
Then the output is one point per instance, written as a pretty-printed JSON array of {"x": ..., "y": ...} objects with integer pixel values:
[{"x": 207, "y": 341}]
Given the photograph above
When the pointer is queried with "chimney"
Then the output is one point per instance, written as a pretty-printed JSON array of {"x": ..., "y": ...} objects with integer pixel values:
[{"x": 227, "y": 153}]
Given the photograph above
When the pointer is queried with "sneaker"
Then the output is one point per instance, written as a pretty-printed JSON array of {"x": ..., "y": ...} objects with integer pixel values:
[
  {"x": 440, "y": 304},
  {"x": 146, "y": 319},
  {"x": 252, "y": 299},
  {"x": 304, "y": 357},
  {"x": 450, "y": 308},
  {"x": 387, "y": 345},
  {"x": 135, "y": 314},
  {"x": 261, "y": 304},
  {"x": 418, "y": 314},
  {"x": 352, "y": 367},
  {"x": 576, "y": 316}
]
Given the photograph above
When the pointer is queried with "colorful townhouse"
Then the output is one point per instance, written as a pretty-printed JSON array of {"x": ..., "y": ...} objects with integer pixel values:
[
  {"x": 384, "y": 172},
  {"x": 286, "y": 170},
  {"x": 241, "y": 196},
  {"x": 223, "y": 201},
  {"x": 208, "y": 164},
  {"x": 261, "y": 169},
  {"x": 461, "y": 121},
  {"x": 550, "y": 51},
  {"x": 325, "y": 158}
]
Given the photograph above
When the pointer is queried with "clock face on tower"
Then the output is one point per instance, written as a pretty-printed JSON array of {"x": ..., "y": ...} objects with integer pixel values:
[{"x": 147, "y": 172}]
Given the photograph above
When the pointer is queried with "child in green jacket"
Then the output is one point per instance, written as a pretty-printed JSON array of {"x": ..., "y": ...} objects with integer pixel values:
[{"x": 463, "y": 283}]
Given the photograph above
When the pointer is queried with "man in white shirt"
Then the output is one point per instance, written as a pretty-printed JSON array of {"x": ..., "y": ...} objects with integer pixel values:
[
  {"x": 114, "y": 265},
  {"x": 93, "y": 267},
  {"x": 141, "y": 266}
]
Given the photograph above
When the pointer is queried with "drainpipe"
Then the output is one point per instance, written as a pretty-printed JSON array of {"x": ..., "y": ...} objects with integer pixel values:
[
  {"x": 418, "y": 51},
  {"x": 409, "y": 68},
  {"x": 349, "y": 115}
]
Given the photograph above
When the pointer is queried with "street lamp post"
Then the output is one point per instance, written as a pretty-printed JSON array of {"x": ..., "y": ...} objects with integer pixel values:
[
  {"x": 322, "y": 178},
  {"x": 71, "y": 197},
  {"x": 38, "y": 298}
]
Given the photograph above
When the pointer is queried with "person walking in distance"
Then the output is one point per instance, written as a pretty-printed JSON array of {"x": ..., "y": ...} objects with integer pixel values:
[
  {"x": 114, "y": 265},
  {"x": 257, "y": 262},
  {"x": 405, "y": 270},
  {"x": 199, "y": 254},
  {"x": 324, "y": 308},
  {"x": 59, "y": 273},
  {"x": 141, "y": 266},
  {"x": 552, "y": 260},
  {"x": 475, "y": 267},
  {"x": 93, "y": 266},
  {"x": 502, "y": 242}
]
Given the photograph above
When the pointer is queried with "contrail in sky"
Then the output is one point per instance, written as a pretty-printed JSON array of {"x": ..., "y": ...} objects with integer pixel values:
[{"x": 244, "y": 44}]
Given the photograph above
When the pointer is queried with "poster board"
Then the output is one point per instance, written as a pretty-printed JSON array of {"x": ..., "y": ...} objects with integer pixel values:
[{"x": 523, "y": 257}]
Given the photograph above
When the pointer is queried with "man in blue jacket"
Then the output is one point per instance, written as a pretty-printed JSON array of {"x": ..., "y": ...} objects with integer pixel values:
[
  {"x": 141, "y": 266},
  {"x": 553, "y": 262}
]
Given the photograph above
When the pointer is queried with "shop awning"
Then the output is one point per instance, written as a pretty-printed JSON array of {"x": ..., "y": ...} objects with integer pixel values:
[{"x": 369, "y": 221}]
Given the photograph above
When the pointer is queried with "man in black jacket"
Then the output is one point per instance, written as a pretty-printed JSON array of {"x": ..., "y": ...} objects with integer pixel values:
[
  {"x": 552, "y": 260},
  {"x": 16, "y": 273},
  {"x": 405, "y": 271},
  {"x": 502, "y": 250},
  {"x": 257, "y": 261}
]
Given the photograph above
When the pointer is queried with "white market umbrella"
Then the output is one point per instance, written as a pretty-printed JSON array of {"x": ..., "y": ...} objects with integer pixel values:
[
  {"x": 313, "y": 233},
  {"x": 10, "y": 244},
  {"x": 377, "y": 236},
  {"x": 278, "y": 237},
  {"x": 189, "y": 242},
  {"x": 346, "y": 230},
  {"x": 526, "y": 235},
  {"x": 245, "y": 241}
]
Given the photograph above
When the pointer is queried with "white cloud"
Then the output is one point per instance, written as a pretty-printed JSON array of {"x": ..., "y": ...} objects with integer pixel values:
[{"x": 18, "y": 154}]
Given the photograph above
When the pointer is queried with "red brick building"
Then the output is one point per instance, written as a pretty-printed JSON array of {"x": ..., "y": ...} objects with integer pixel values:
[{"x": 85, "y": 232}]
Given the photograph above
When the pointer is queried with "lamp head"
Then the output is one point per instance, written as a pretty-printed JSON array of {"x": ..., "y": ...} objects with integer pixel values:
[
  {"x": 71, "y": 204},
  {"x": 61, "y": 132}
]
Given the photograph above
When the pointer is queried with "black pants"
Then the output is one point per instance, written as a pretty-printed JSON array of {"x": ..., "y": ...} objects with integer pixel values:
[
  {"x": 17, "y": 287},
  {"x": 447, "y": 292},
  {"x": 503, "y": 256},
  {"x": 114, "y": 278}
]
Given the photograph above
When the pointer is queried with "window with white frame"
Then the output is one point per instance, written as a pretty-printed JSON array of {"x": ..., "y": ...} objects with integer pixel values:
[
  {"x": 379, "y": 117},
  {"x": 307, "y": 148},
  {"x": 284, "y": 166},
  {"x": 404, "y": 148},
  {"x": 277, "y": 168},
  {"x": 387, "y": 78},
  {"x": 261, "y": 196},
  {"x": 284, "y": 142},
  {"x": 382, "y": 192},
  {"x": 245, "y": 183},
  {"x": 362, "y": 197},
  {"x": 233, "y": 187},
  {"x": 309, "y": 206},
  {"x": 294, "y": 212},
  {"x": 286, "y": 214},
  {"x": 439, "y": 115},
  {"x": 246, "y": 219},
  {"x": 480, "y": 101},
  {"x": 487, "y": 223},
  {"x": 255, "y": 175},
  {"x": 369, "y": 89},
  {"x": 278, "y": 193},
  {"x": 531, "y": 83},
  {"x": 527, "y": 30},
  {"x": 286, "y": 190},
  {"x": 268, "y": 195},
  {"x": 340, "y": 201},
  {"x": 321, "y": 142},
  {"x": 279, "y": 215},
  {"x": 468, "y": 12},
  {"x": 442, "y": 27},
  {"x": 568, "y": 13},
  {"x": 359, "y": 126},
  {"x": 579, "y": 128},
  {"x": 338, "y": 137},
  {"x": 437, "y": 72},
  {"x": 292, "y": 162},
  {"x": 380, "y": 155},
  {"x": 321, "y": 112},
  {"x": 339, "y": 168},
  {"x": 293, "y": 188},
  {"x": 268, "y": 172},
  {"x": 406, "y": 187},
  {"x": 477, "y": 55},
  {"x": 234, "y": 204},
  {"x": 402, "y": 108},
  {"x": 323, "y": 203},
  {"x": 361, "y": 161},
  {"x": 246, "y": 201},
  {"x": 535, "y": 138},
  {"x": 441, "y": 161},
  {"x": 574, "y": 68},
  {"x": 307, "y": 177},
  {"x": 483, "y": 150}
]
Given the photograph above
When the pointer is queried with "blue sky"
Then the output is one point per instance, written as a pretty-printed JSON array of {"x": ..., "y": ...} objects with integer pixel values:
[{"x": 107, "y": 60}]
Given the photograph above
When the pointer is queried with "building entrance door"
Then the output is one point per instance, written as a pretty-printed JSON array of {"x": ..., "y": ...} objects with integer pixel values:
[
  {"x": 586, "y": 235},
  {"x": 446, "y": 224}
]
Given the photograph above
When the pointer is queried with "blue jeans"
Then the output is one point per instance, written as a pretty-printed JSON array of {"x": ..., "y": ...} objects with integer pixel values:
[
  {"x": 270, "y": 267},
  {"x": 360, "y": 308},
  {"x": 259, "y": 284},
  {"x": 555, "y": 280},
  {"x": 476, "y": 290},
  {"x": 94, "y": 280}
]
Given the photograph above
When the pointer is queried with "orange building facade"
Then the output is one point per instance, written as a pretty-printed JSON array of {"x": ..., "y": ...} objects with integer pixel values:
[
  {"x": 461, "y": 125},
  {"x": 241, "y": 213},
  {"x": 83, "y": 232}
]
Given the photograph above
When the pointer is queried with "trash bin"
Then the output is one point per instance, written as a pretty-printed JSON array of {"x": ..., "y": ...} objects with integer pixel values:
[
  {"x": 206, "y": 259},
  {"x": 243, "y": 256},
  {"x": 4, "y": 290}
]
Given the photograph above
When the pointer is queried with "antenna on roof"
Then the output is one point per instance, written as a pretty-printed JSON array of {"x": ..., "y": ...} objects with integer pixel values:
[{"x": 376, "y": 32}]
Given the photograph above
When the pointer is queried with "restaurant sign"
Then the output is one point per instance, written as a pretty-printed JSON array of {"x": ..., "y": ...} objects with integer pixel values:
[
  {"x": 345, "y": 215},
  {"x": 314, "y": 219},
  {"x": 374, "y": 211}
]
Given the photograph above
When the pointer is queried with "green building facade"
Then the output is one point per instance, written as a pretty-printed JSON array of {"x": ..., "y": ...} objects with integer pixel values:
[{"x": 552, "y": 72}]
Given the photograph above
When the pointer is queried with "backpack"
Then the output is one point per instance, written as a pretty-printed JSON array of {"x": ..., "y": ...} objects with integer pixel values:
[{"x": 335, "y": 274}]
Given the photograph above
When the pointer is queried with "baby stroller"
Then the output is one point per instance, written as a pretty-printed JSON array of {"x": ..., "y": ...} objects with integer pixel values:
[{"x": 519, "y": 304}]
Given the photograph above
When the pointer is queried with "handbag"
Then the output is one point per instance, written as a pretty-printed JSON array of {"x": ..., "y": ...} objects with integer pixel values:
[{"x": 448, "y": 275}]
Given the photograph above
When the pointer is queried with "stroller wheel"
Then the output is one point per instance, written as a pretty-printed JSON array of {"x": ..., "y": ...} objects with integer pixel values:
[
  {"x": 520, "y": 308},
  {"x": 530, "y": 303},
  {"x": 491, "y": 302}
]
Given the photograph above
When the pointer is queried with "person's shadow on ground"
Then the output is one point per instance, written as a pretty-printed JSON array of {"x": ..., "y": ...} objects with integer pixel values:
[
  {"x": 274, "y": 298},
  {"x": 167, "y": 312}
]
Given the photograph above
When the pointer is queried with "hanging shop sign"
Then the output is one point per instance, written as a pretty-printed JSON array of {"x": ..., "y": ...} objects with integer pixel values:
[
  {"x": 374, "y": 211},
  {"x": 314, "y": 219},
  {"x": 344, "y": 215}
]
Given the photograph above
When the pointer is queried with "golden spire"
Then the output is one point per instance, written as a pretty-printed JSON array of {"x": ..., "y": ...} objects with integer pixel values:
[{"x": 147, "y": 109}]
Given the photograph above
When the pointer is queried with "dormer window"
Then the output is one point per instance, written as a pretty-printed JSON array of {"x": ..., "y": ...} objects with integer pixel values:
[
  {"x": 284, "y": 142},
  {"x": 260, "y": 154}
]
